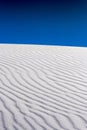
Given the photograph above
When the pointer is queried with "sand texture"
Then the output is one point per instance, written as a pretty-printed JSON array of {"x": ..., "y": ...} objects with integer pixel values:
[{"x": 43, "y": 87}]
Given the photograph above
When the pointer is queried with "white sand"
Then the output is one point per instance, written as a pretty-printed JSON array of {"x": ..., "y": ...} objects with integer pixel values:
[{"x": 43, "y": 87}]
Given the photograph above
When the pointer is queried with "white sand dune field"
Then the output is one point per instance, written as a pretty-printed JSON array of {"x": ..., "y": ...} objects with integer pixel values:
[{"x": 43, "y": 87}]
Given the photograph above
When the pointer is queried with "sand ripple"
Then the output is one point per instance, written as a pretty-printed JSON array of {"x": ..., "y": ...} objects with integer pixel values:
[{"x": 43, "y": 87}]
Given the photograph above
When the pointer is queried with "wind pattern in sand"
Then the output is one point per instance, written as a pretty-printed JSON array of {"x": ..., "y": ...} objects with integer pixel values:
[{"x": 43, "y": 87}]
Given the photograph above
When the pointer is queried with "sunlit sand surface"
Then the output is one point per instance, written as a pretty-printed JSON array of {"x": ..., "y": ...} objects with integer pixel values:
[{"x": 43, "y": 87}]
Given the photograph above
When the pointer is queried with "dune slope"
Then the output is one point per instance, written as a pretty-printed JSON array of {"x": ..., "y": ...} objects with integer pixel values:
[{"x": 43, "y": 87}]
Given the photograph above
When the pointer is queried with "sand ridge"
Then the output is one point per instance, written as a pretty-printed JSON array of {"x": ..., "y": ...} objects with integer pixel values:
[{"x": 43, "y": 87}]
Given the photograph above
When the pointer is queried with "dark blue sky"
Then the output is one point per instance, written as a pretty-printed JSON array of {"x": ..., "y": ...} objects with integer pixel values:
[{"x": 57, "y": 22}]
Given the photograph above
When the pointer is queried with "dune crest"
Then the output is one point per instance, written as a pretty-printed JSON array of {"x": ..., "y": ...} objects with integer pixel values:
[{"x": 43, "y": 87}]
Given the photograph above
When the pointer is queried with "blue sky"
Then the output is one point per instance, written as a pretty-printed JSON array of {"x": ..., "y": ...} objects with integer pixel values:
[{"x": 44, "y": 22}]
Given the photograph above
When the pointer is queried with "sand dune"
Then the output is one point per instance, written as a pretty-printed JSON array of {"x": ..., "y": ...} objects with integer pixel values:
[{"x": 43, "y": 87}]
